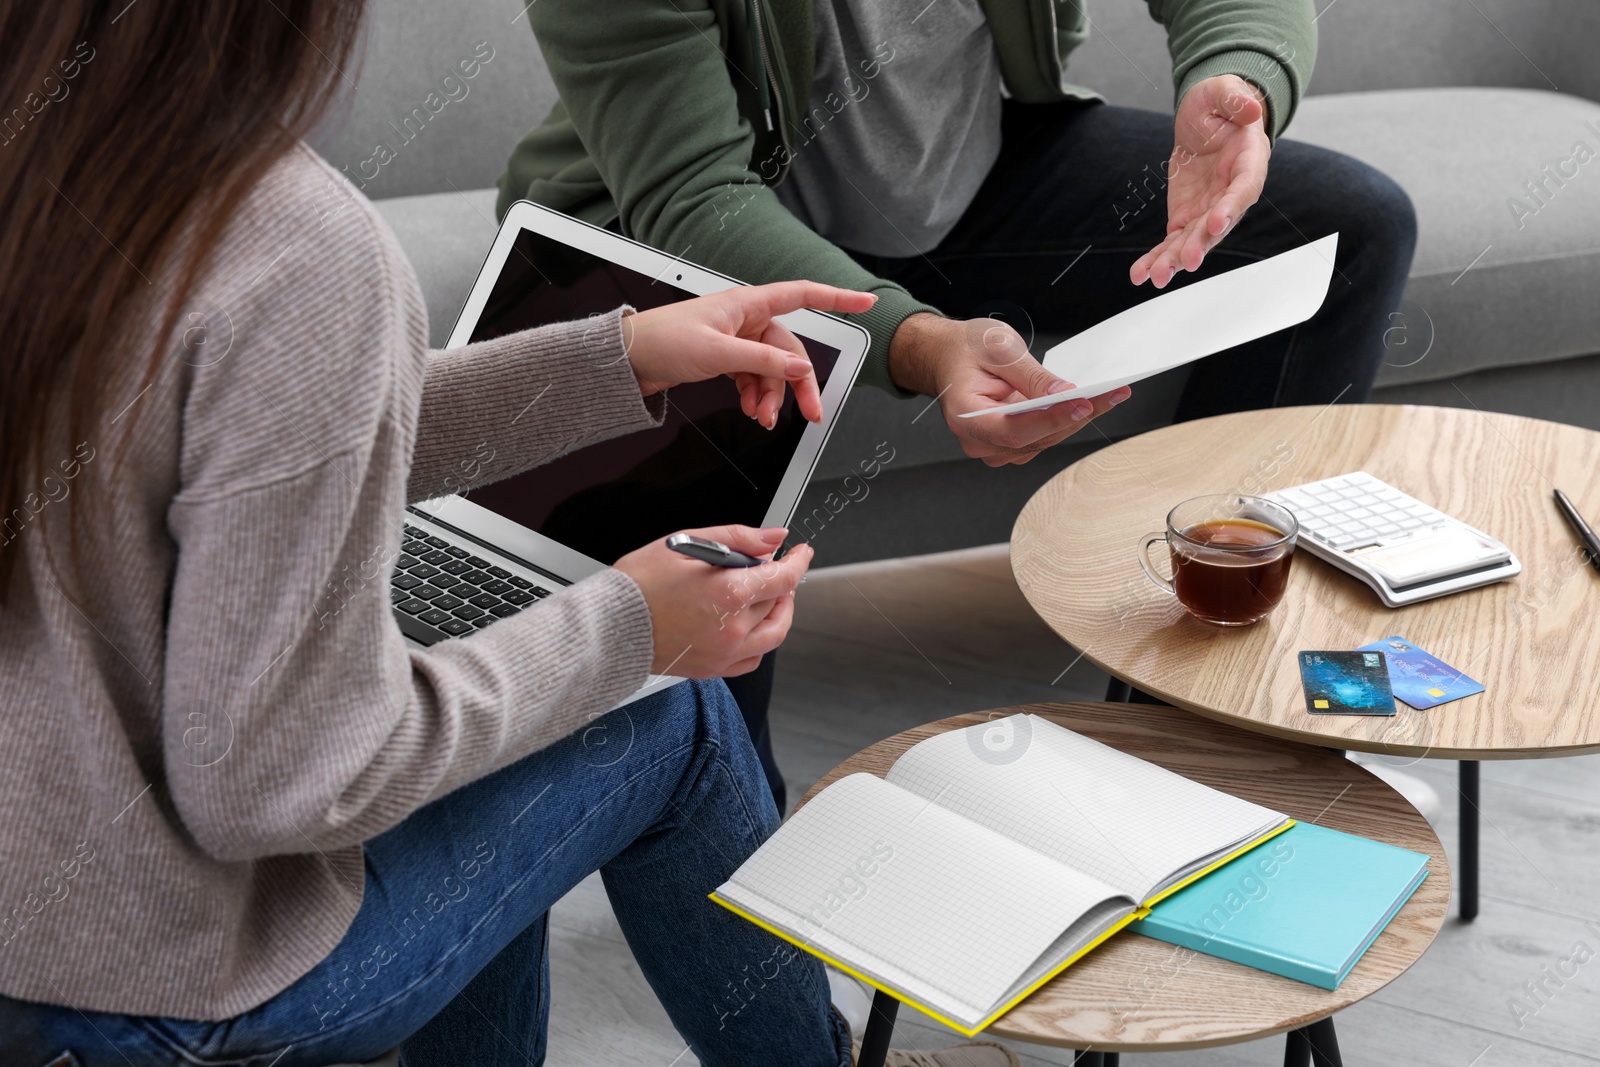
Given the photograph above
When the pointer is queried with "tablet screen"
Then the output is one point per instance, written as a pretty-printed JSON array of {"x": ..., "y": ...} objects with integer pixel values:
[{"x": 708, "y": 464}]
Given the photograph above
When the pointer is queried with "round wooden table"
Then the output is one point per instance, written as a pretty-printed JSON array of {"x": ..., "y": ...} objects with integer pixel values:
[
  {"x": 1135, "y": 994},
  {"x": 1533, "y": 642}
]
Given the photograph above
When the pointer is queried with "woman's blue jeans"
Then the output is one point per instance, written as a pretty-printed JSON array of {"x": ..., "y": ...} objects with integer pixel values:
[{"x": 449, "y": 954}]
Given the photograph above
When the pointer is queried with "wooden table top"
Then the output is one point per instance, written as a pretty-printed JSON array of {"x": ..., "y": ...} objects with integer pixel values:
[
  {"x": 1135, "y": 994},
  {"x": 1534, "y": 641}
]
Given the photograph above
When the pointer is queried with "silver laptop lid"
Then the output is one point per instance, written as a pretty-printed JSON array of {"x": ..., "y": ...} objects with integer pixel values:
[{"x": 708, "y": 464}]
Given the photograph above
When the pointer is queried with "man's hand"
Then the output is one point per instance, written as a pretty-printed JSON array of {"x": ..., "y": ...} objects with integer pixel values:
[
  {"x": 1218, "y": 166},
  {"x": 977, "y": 363}
]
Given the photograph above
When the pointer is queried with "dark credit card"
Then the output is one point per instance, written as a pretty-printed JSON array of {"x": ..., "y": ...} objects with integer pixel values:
[{"x": 1346, "y": 683}]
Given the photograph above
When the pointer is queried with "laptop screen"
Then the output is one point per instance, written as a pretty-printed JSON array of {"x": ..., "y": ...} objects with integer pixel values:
[{"x": 708, "y": 464}]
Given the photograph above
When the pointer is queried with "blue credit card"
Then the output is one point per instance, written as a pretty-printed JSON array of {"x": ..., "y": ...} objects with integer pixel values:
[
  {"x": 1346, "y": 683},
  {"x": 1420, "y": 679}
]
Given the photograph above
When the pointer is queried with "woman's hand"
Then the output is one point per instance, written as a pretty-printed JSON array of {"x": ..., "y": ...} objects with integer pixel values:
[
  {"x": 735, "y": 332},
  {"x": 716, "y": 622}
]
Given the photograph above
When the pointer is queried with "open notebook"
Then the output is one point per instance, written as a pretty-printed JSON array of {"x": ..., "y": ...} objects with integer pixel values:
[{"x": 985, "y": 862}]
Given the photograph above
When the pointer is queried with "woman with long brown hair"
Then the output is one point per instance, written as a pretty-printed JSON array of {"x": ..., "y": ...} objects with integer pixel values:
[{"x": 369, "y": 861}]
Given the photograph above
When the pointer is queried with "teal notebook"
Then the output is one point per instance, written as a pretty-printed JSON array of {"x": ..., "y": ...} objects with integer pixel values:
[{"x": 1305, "y": 905}]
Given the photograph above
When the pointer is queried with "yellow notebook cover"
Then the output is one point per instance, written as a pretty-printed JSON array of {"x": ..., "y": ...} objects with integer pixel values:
[
  {"x": 1058, "y": 831},
  {"x": 1138, "y": 913}
]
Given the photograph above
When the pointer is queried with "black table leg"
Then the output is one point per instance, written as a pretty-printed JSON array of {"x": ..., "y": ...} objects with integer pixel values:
[
  {"x": 1296, "y": 1049},
  {"x": 1120, "y": 692},
  {"x": 1088, "y": 1059},
  {"x": 880, "y": 1029},
  {"x": 1112, "y": 1059},
  {"x": 1324, "y": 1044},
  {"x": 1313, "y": 1046},
  {"x": 1469, "y": 840}
]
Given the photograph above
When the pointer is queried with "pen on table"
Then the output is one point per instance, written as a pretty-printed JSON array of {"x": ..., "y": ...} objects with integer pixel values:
[{"x": 1585, "y": 532}]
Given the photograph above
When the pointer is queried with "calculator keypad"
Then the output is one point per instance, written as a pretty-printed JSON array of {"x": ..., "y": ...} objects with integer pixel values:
[{"x": 1357, "y": 510}]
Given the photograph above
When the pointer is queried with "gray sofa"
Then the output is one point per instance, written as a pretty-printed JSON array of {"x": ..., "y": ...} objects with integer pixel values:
[{"x": 1463, "y": 102}]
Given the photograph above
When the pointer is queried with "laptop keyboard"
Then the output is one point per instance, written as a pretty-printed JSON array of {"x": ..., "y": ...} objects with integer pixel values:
[{"x": 440, "y": 590}]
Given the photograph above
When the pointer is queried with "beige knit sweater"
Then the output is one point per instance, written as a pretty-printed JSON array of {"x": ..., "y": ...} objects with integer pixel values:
[{"x": 190, "y": 762}]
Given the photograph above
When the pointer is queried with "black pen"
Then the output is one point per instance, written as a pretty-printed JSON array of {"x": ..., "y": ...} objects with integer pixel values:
[
  {"x": 1591, "y": 543},
  {"x": 713, "y": 552}
]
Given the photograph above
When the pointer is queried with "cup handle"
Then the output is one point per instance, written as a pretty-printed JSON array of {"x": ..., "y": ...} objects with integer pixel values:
[{"x": 1144, "y": 562}]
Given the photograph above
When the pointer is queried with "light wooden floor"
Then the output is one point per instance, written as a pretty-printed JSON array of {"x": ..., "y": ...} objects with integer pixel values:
[{"x": 880, "y": 647}]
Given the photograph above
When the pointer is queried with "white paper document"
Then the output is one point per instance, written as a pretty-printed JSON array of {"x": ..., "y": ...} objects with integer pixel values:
[{"x": 1183, "y": 325}]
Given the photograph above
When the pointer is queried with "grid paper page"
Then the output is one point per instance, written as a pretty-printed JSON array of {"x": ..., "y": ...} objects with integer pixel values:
[
  {"x": 1127, "y": 822},
  {"x": 1094, "y": 922},
  {"x": 916, "y": 897}
]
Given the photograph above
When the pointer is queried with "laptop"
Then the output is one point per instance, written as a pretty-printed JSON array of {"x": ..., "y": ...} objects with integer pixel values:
[{"x": 471, "y": 559}]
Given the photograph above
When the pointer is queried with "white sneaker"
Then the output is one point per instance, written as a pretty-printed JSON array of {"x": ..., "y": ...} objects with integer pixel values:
[
  {"x": 1418, "y": 794},
  {"x": 852, "y": 999},
  {"x": 967, "y": 1054}
]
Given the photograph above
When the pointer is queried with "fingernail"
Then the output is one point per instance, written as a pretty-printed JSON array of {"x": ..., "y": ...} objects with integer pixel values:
[
  {"x": 773, "y": 534},
  {"x": 1118, "y": 400},
  {"x": 1079, "y": 413},
  {"x": 797, "y": 367},
  {"x": 1059, "y": 386}
]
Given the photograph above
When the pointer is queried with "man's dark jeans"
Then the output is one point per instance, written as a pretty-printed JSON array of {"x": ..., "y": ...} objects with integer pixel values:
[{"x": 1079, "y": 193}]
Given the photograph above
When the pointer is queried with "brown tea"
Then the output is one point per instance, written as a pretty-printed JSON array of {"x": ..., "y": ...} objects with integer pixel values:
[{"x": 1230, "y": 584}]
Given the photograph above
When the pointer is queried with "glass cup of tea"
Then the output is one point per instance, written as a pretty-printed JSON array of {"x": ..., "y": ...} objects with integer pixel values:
[{"x": 1230, "y": 557}]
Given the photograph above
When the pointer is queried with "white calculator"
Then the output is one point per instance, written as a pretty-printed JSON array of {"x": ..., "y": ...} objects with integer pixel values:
[{"x": 1404, "y": 549}]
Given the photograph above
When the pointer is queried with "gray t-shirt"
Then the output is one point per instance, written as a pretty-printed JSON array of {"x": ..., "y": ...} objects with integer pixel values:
[{"x": 904, "y": 123}]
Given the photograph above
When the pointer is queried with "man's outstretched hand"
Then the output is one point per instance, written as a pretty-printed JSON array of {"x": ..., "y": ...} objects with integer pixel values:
[{"x": 1217, "y": 169}]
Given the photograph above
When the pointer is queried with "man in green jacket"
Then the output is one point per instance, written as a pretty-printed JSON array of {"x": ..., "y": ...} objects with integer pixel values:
[{"x": 869, "y": 144}]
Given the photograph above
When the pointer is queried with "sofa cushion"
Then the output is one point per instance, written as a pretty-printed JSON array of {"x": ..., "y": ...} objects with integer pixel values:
[
  {"x": 1371, "y": 44},
  {"x": 1502, "y": 276},
  {"x": 446, "y": 236}
]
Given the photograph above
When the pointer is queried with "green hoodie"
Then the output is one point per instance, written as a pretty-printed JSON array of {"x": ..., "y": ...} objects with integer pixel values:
[{"x": 677, "y": 117}]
